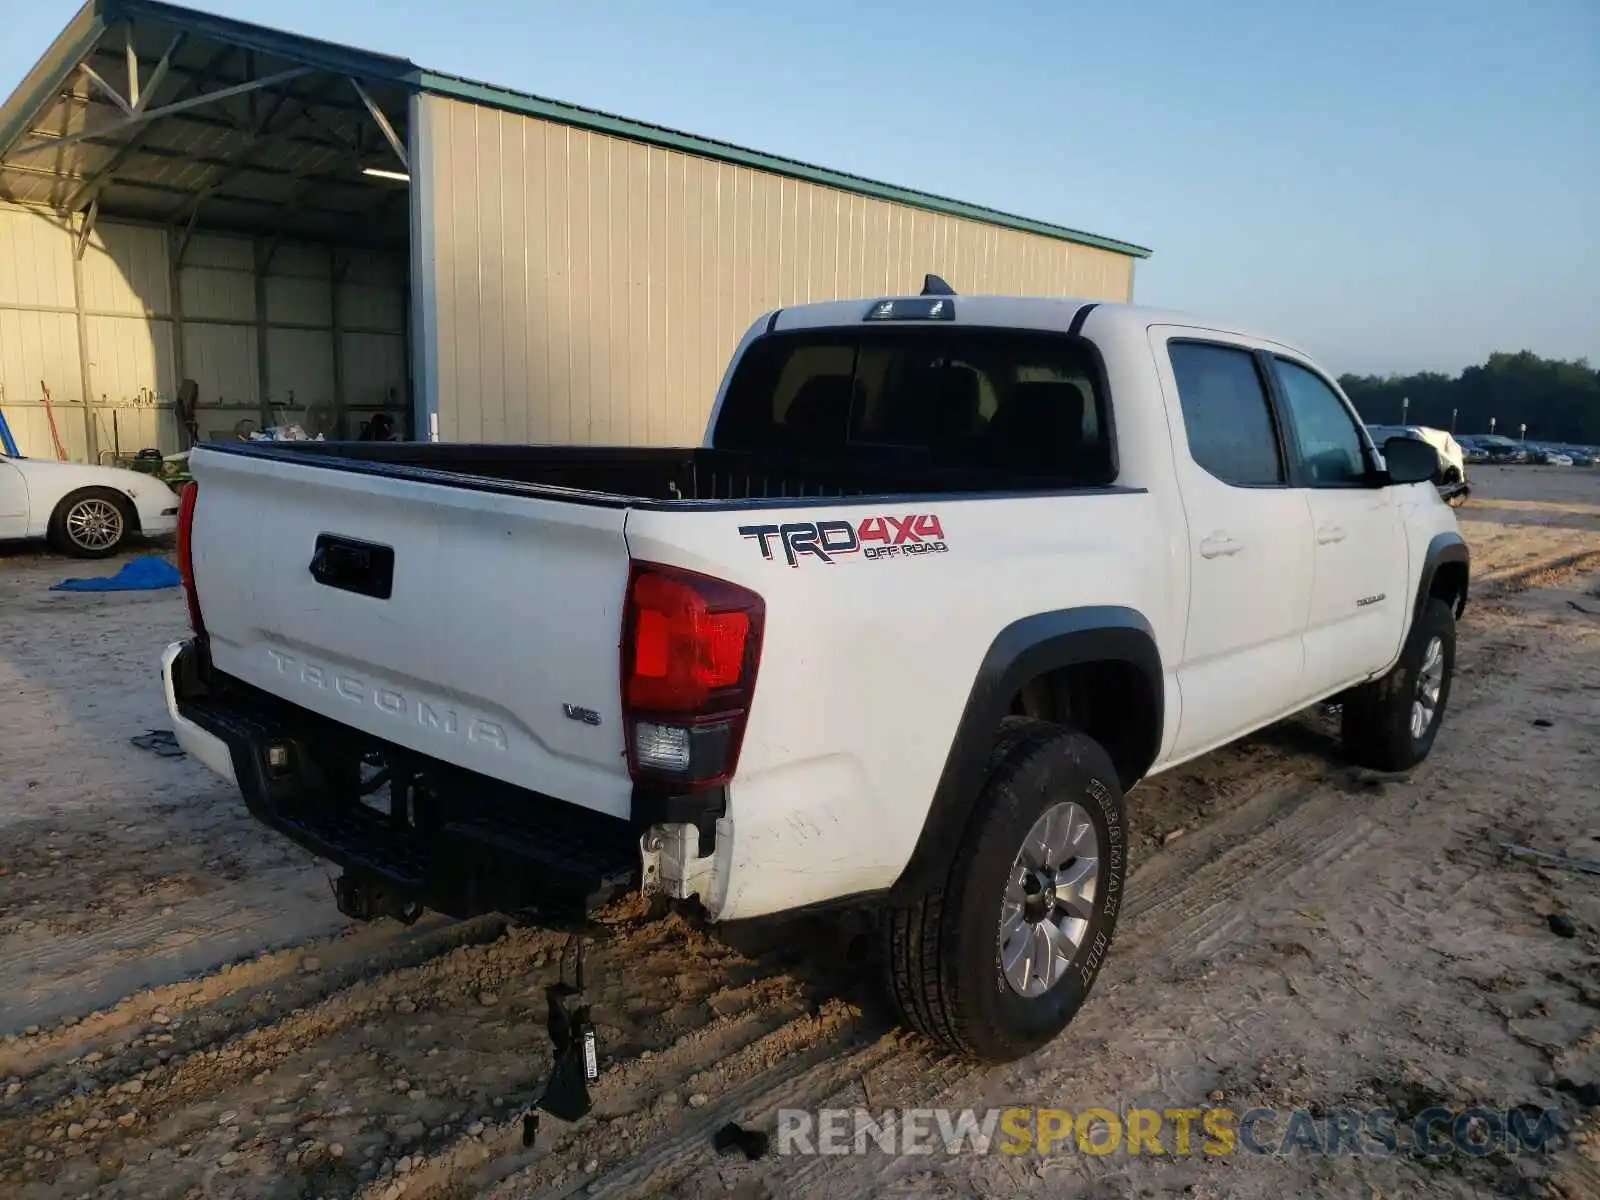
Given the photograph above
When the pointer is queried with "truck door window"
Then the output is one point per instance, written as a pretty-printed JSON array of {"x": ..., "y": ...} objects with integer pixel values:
[
  {"x": 1226, "y": 413},
  {"x": 976, "y": 398},
  {"x": 1324, "y": 432}
]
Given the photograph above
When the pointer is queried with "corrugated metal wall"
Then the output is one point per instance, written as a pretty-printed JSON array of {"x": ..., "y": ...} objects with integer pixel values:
[
  {"x": 589, "y": 289},
  {"x": 39, "y": 344},
  {"x": 135, "y": 343}
]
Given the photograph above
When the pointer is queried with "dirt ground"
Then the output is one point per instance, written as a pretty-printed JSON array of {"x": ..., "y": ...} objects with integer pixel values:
[{"x": 184, "y": 1013}]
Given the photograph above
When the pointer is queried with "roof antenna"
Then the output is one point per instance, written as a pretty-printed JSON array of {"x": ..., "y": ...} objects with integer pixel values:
[{"x": 932, "y": 285}]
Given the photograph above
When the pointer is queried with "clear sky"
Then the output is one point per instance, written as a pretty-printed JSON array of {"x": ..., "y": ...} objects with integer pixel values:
[{"x": 1394, "y": 184}]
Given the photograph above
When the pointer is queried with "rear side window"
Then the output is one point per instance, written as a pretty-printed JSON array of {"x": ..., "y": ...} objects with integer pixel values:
[
  {"x": 960, "y": 397},
  {"x": 1226, "y": 413}
]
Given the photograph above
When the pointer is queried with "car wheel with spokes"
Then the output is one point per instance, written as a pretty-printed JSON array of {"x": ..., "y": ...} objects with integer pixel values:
[
  {"x": 998, "y": 960},
  {"x": 1049, "y": 900},
  {"x": 1390, "y": 724},
  {"x": 91, "y": 523}
]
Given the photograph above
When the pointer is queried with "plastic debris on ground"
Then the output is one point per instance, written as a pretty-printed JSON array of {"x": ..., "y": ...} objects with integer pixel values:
[
  {"x": 137, "y": 575},
  {"x": 161, "y": 742}
]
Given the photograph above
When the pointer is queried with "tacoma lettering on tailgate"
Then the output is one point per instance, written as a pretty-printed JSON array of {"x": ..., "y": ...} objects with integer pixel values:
[
  {"x": 388, "y": 701},
  {"x": 909, "y": 536}
]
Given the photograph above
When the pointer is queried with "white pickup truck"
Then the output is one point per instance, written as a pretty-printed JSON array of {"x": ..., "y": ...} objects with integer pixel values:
[{"x": 948, "y": 576}]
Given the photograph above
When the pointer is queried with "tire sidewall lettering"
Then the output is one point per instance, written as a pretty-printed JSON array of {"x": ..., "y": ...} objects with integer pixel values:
[{"x": 1091, "y": 956}]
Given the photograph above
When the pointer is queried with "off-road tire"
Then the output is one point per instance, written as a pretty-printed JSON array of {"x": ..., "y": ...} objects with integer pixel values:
[
  {"x": 942, "y": 953},
  {"x": 1377, "y": 716},
  {"x": 60, "y": 535}
]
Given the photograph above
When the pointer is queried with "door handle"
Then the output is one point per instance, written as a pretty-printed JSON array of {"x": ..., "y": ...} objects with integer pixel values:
[
  {"x": 1219, "y": 544},
  {"x": 1327, "y": 534}
]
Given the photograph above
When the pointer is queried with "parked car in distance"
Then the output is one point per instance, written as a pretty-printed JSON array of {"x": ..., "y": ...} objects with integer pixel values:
[
  {"x": 83, "y": 510},
  {"x": 1498, "y": 448},
  {"x": 1548, "y": 454},
  {"x": 993, "y": 560}
]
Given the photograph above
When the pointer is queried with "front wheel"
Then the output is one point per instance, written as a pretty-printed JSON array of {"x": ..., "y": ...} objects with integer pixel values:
[
  {"x": 91, "y": 523},
  {"x": 1390, "y": 724},
  {"x": 999, "y": 960}
]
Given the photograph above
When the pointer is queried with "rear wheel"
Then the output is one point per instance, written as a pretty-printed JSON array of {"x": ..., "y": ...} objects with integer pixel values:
[
  {"x": 998, "y": 961},
  {"x": 1390, "y": 724},
  {"x": 91, "y": 523}
]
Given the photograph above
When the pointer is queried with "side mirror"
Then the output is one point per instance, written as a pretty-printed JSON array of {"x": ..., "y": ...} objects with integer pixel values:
[{"x": 1410, "y": 460}]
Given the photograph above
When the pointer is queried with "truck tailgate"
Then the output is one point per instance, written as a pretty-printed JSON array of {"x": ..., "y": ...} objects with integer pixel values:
[{"x": 476, "y": 627}]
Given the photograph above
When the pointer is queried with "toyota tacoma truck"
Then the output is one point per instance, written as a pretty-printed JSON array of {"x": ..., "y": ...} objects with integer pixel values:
[{"x": 947, "y": 577}]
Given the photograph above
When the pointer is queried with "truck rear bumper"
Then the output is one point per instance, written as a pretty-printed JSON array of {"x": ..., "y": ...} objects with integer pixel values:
[
  {"x": 466, "y": 845},
  {"x": 205, "y": 748}
]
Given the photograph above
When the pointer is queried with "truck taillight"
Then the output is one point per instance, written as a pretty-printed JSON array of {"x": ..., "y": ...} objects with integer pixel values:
[
  {"x": 690, "y": 648},
  {"x": 191, "y": 493}
]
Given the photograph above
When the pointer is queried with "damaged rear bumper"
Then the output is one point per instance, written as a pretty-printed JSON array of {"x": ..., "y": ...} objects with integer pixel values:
[
  {"x": 443, "y": 837},
  {"x": 198, "y": 743}
]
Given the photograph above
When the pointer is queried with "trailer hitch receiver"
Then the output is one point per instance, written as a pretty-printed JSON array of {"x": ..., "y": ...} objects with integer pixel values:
[{"x": 364, "y": 900}]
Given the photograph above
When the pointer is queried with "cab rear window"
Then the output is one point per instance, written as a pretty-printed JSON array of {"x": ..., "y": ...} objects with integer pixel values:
[{"x": 1001, "y": 399}]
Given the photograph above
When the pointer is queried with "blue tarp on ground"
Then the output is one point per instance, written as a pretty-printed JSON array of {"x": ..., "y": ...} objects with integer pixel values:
[{"x": 137, "y": 575}]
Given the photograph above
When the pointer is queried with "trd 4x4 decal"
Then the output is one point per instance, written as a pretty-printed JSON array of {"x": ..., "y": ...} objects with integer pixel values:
[{"x": 875, "y": 537}]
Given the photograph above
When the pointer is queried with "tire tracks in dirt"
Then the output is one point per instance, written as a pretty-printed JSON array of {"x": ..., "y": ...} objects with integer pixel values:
[
  {"x": 1173, "y": 934},
  {"x": 712, "y": 1010},
  {"x": 231, "y": 1001},
  {"x": 872, "y": 1065},
  {"x": 1184, "y": 903},
  {"x": 1546, "y": 573},
  {"x": 686, "y": 1016}
]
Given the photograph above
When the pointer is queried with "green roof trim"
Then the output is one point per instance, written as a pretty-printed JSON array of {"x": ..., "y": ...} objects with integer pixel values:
[{"x": 656, "y": 135}]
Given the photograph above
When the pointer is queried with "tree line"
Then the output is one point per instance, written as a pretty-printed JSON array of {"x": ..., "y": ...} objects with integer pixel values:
[{"x": 1558, "y": 400}]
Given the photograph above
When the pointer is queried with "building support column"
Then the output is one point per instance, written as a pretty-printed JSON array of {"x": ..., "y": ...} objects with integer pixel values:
[
  {"x": 262, "y": 256},
  {"x": 338, "y": 265},
  {"x": 91, "y": 441}
]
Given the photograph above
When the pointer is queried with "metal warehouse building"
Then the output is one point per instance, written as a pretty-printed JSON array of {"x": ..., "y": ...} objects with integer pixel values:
[{"x": 315, "y": 233}]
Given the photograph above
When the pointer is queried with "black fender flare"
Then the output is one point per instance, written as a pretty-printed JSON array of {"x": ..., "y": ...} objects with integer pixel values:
[
  {"x": 1447, "y": 547},
  {"x": 1022, "y": 651}
]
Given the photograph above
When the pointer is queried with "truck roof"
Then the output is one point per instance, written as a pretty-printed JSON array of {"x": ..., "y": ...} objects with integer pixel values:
[{"x": 1014, "y": 312}]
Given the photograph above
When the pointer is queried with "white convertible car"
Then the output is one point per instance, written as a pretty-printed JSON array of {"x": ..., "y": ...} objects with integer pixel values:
[{"x": 85, "y": 511}]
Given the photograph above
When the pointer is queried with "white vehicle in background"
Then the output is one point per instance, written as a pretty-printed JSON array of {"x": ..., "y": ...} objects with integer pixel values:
[
  {"x": 85, "y": 511},
  {"x": 1451, "y": 479},
  {"x": 1451, "y": 457}
]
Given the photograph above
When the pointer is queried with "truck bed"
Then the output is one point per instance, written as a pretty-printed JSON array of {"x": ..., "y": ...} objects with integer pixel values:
[{"x": 616, "y": 476}]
